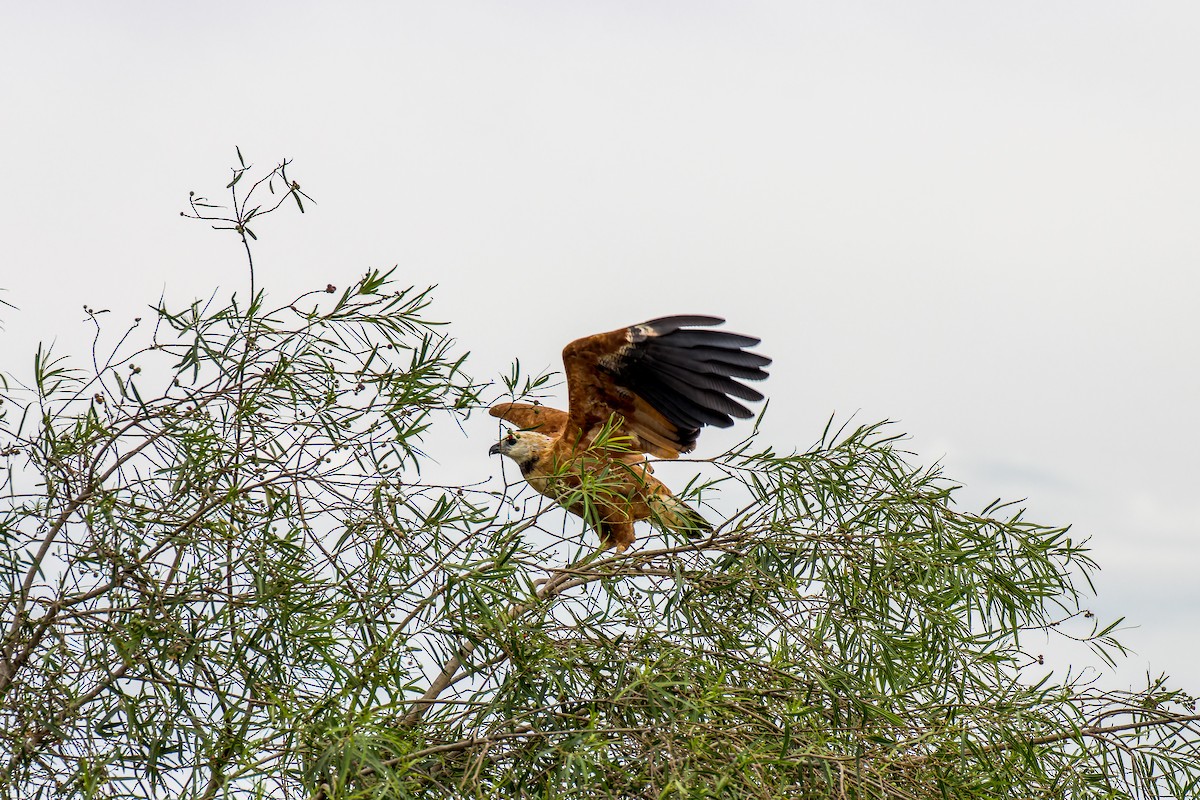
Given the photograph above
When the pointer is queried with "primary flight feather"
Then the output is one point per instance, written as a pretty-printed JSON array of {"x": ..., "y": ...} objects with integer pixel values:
[{"x": 648, "y": 388}]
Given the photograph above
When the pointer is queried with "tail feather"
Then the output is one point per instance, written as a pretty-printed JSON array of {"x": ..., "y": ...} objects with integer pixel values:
[{"x": 676, "y": 515}]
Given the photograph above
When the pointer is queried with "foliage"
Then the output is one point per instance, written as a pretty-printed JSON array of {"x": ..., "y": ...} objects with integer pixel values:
[{"x": 225, "y": 577}]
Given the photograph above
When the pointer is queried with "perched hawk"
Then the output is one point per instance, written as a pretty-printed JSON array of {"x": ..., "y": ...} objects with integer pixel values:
[{"x": 648, "y": 388}]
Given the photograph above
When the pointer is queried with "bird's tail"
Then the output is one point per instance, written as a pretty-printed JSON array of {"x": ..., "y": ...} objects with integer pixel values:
[{"x": 676, "y": 515}]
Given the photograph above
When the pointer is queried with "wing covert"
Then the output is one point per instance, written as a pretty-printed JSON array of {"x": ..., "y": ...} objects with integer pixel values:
[{"x": 542, "y": 419}]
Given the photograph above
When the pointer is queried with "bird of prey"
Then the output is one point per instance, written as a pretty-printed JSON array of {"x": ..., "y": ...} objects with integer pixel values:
[{"x": 645, "y": 389}]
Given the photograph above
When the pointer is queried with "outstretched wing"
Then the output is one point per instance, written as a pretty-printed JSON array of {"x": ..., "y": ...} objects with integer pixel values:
[
  {"x": 667, "y": 377},
  {"x": 543, "y": 419}
]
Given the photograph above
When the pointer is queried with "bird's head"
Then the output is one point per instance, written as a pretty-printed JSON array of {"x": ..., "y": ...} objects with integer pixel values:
[{"x": 523, "y": 447}]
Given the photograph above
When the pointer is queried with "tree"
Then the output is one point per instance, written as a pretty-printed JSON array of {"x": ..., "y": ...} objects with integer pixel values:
[{"x": 224, "y": 577}]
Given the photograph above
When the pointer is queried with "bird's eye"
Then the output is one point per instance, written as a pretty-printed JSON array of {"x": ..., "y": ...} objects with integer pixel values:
[{"x": 510, "y": 440}]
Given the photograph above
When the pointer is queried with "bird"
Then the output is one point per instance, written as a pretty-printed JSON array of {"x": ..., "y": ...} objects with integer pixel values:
[{"x": 640, "y": 391}]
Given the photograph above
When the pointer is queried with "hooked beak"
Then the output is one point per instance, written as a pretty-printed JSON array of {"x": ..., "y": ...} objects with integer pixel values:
[{"x": 494, "y": 450}]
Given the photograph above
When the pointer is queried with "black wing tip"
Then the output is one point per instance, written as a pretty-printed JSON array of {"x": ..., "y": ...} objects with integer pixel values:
[
  {"x": 686, "y": 371},
  {"x": 661, "y": 326}
]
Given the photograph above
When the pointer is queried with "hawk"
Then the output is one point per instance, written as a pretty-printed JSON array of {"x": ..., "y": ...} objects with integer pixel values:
[{"x": 645, "y": 389}]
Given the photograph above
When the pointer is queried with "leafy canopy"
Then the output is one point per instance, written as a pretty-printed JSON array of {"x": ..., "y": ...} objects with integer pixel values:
[{"x": 224, "y": 577}]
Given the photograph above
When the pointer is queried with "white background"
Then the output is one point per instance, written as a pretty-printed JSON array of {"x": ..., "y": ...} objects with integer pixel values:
[{"x": 976, "y": 219}]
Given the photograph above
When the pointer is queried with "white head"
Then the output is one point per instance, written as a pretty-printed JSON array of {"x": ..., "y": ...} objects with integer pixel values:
[{"x": 523, "y": 447}]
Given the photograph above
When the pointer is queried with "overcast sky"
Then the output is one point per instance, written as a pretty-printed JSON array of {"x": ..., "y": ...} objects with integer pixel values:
[{"x": 976, "y": 219}]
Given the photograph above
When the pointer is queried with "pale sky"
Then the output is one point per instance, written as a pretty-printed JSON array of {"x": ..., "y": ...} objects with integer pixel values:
[{"x": 976, "y": 219}]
